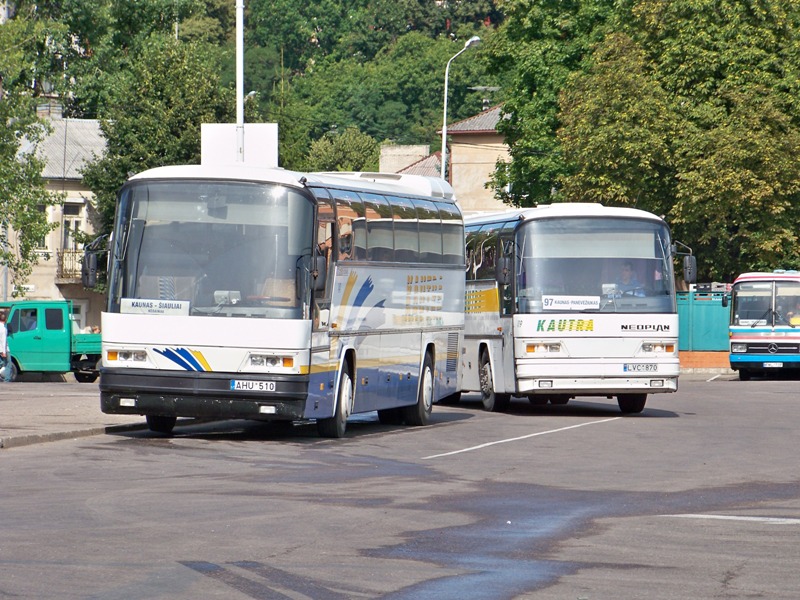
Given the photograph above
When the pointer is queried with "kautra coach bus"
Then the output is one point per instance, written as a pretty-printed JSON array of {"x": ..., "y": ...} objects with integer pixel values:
[
  {"x": 569, "y": 300},
  {"x": 765, "y": 323},
  {"x": 237, "y": 292}
]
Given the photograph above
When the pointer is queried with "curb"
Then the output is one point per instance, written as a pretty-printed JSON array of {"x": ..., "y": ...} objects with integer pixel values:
[{"x": 40, "y": 438}]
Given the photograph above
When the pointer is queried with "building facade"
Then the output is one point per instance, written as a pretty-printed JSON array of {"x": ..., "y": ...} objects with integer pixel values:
[
  {"x": 57, "y": 276},
  {"x": 475, "y": 149}
]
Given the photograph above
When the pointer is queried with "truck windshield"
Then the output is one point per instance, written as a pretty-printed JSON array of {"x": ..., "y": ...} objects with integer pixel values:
[
  {"x": 208, "y": 248},
  {"x": 594, "y": 265}
]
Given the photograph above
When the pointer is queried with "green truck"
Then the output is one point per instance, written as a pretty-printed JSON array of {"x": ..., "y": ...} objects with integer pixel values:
[{"x": 43, "y": 338}]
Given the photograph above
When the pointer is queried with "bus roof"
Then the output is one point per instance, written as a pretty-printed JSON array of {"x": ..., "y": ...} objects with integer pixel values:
[
  {"x": 777, "y": 274},
  {"x": 562, "y": 209},
  {"x": 394, "y": 183}
]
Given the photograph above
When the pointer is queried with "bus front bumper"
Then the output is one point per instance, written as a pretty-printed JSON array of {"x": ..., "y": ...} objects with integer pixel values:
[
  {"x": 599, "y": 386},
  {"x": 605, "y": 379},
  {"x": 199, "y": 395}
]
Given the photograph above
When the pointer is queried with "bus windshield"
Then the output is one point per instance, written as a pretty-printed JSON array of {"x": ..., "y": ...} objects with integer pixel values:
[
  {"x": 212, "y": 248},
  {"x": 586, "y": 264},
  {"x": 762, "y": 303}
]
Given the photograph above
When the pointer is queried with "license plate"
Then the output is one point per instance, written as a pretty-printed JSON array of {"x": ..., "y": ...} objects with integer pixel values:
[
  {"x": 641, "y": 368},
  {"x": 773, "y": 365},
  {"x": 242, "y": 385}
]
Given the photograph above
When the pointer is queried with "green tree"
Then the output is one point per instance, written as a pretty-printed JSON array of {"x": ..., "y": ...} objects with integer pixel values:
[
  {"x": 539, "y": 45},
  {"x": 349, "y": 151},
  {"x": 155, "y": 112},
  {"x": 23, "y": 195},
  {"x": 732, "y": 70},
  {"x": 617, "y": 128},
  {"x": 686, "y": 108}
]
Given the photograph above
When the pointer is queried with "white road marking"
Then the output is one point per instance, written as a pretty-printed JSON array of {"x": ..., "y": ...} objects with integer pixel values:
[
  {"x": 516, "y": 439},
  {"x": 770, "y": 520},
  {"x": 712, "y": 379}
]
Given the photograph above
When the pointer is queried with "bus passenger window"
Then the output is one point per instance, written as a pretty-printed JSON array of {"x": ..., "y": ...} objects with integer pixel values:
[{"x": 349, "y": 216}]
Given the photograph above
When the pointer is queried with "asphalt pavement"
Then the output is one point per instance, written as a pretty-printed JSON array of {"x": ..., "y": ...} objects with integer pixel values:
[{"x": 45, "y": 408}]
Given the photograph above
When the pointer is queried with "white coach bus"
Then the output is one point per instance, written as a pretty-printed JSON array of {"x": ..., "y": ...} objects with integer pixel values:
[
  {"x": 253, "y": 293},
  {"x": 569, "y": 300}
]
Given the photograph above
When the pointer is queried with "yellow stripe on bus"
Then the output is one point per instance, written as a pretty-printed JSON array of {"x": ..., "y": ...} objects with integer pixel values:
[{"x": 478, "y": 301}]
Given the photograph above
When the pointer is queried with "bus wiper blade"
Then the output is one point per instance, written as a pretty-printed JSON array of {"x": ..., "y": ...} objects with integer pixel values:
[{"x": 762, "y": 317}]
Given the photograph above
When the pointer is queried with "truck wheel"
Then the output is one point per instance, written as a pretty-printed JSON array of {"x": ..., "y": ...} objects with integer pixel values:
[
  {"x": 85, "y": 377},
  {"x": 161, "y": 424},
  {"x": 14, "y": 371}
]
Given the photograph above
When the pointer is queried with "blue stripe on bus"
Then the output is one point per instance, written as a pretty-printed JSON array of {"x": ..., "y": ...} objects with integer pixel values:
[{"x": 176, "y": 358}]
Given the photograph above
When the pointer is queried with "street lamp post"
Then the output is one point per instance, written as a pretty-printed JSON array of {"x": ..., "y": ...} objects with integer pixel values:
[{"x": 473, "y": 41}]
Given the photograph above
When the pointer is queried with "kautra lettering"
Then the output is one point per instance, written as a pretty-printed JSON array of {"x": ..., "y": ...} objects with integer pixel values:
[{"x": 545, "y": 325}]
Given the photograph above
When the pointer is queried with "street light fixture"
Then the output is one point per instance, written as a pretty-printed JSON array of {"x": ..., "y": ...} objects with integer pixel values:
[{"x": 473, "y": 41}]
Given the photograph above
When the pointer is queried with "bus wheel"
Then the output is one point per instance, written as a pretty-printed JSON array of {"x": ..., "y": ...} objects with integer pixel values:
[
  {"x": 559, "y": 399},
  {"x": 420, "y": 413},
  {"x": 631, "y": 403},
  {"x": 492, "y": 401},
  {"x": 161, "y": 424},
  {"x": 744, "y": 375},
  {"x": 334, "y": 427}
]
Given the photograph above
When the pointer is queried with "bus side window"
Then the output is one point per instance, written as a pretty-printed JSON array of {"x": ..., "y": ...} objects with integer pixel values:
[
  {"x": 350, "y": 224},
  {"x": 325, "y": 244},
  {"x": 430, "y": 232}
]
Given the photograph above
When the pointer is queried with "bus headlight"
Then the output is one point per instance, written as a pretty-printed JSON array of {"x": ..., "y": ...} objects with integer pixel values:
[
  {"x": 543, "y": 348},
  {"x": 658, "y": 347},
  {"x": 271, "y": 361},
  {"x": 126, "y": 356},
  {"x": 739, "y": 348}
]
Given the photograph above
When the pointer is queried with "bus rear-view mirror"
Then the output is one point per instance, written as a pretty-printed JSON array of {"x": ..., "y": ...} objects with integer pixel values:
[
  {"x": 89, "y": 270},
  {"x": 690, "y": 268}
]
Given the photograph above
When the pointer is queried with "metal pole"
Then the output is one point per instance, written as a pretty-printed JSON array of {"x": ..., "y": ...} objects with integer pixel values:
[
  {"x": 470, "y": 42},
  {"x": 444, "y": 117},
  {"x": 240, "y": 81}
]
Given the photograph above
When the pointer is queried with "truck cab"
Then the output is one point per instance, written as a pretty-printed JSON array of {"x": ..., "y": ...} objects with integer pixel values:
[{"x": 43, "y": 338}]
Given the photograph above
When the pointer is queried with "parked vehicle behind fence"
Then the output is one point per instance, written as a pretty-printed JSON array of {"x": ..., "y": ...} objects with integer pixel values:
[{"x": 765, "y": 323}]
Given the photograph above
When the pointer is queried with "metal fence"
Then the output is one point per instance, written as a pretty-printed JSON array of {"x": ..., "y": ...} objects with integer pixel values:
[{"x": 702, "y": 322}]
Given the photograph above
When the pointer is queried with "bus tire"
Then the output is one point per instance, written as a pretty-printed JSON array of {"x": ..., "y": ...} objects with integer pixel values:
[
  {"x": 631, "y": 403},
  {"x": 420, "y": 413},
  {"x": 161, "y": 424},
  {"x": 744, "y": 375},
  {"x": 335, "y": 426},
  {"x": 492, "y": 401}
]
